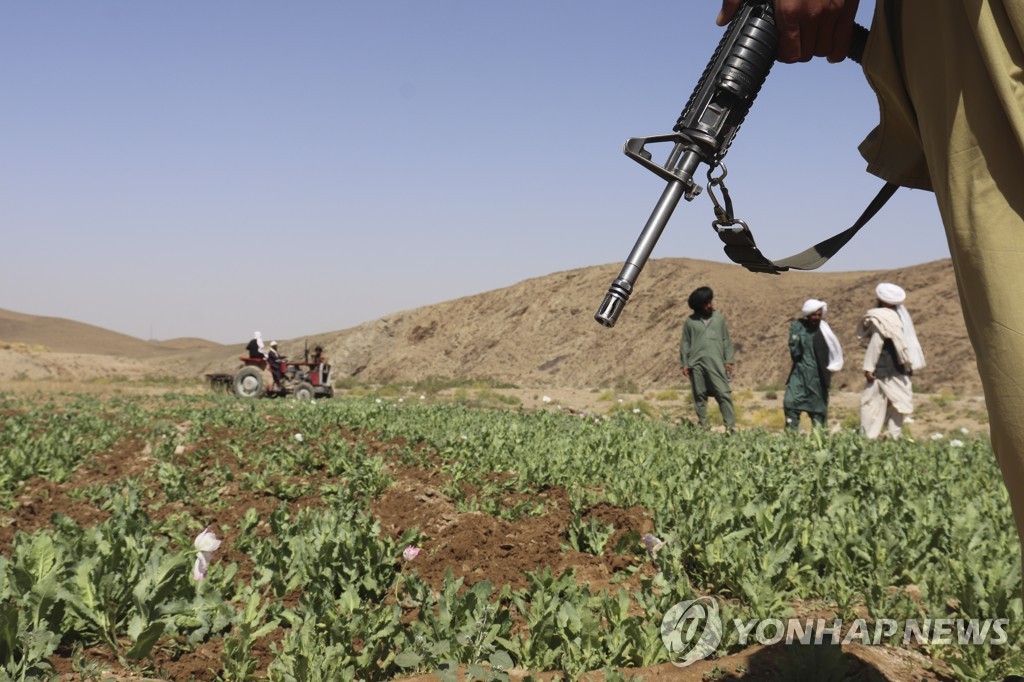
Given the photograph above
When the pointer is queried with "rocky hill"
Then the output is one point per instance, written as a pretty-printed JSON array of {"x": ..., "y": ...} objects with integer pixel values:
[{"x": 541, "y": 332}]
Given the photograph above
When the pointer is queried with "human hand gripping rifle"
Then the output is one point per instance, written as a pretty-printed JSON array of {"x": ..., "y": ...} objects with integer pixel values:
[{"x": 702, "y": 135}]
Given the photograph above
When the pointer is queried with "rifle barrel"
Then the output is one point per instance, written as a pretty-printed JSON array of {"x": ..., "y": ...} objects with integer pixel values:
[{"x": 618, "y": 293}]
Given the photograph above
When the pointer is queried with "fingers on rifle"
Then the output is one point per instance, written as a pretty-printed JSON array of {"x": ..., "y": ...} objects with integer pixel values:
[
  {"x": 791, "y": 20},
  {"x": 807, "y": 28},
  {"x": 825, "y": 37},
  {"x": 843, "y": 32},
  {"x": 728, "y": 11},
  {"x": 814, "y": 28}
]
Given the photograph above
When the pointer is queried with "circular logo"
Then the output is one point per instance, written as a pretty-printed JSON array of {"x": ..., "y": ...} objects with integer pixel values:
[{"x": 691, "y": 630}]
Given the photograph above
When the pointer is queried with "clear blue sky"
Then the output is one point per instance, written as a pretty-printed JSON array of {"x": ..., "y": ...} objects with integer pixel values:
[{"x": 210, "y": 168}]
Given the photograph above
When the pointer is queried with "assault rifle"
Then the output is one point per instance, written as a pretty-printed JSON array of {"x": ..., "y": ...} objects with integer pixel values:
[{"x": 702, "y": 135}]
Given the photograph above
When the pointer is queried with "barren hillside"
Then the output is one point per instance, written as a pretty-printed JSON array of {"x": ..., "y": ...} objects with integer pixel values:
[
  {"x": 68, "y": 336},
  {"x": 541, "y": 332}
]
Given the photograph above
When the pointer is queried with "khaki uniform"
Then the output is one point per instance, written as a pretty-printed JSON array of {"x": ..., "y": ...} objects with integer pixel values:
[{"x": 949, "y": 75}]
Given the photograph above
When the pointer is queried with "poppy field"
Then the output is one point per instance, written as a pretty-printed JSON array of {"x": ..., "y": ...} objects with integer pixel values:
[{"x": 201, "y": 537}]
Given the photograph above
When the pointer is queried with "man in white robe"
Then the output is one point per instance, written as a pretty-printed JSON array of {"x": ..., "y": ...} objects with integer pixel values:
[{"x": 893, "y": 353}]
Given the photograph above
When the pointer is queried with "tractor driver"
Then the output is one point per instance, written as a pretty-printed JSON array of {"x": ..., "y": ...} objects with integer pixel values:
[{"x": 274, "y": 358}]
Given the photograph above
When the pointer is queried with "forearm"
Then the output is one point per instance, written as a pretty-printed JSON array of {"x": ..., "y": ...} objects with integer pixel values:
[{"x": 873, "y": 352}]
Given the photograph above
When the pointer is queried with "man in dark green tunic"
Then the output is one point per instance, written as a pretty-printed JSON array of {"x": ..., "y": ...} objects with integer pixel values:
[
  {"x": 706, "y": 356},
  {"x": 810, "y": 348}
]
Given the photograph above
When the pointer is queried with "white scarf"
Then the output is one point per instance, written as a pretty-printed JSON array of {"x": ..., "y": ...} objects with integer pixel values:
[
  {"x": 835, "y": 350},
  {"x": 914, "y": 351},
  {"x": 896, "y": 326}
]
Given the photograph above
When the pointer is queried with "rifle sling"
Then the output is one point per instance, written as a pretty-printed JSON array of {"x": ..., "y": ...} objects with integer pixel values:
[{"x": 741, "y": 248}]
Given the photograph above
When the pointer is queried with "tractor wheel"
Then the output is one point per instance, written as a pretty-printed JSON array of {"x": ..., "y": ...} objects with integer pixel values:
[
  {"x": 303, "y": 391},
  {"x": 249, "y": 383}
]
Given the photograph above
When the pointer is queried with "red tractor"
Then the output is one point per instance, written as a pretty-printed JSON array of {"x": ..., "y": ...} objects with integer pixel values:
[{"x": 305, "y": 380}]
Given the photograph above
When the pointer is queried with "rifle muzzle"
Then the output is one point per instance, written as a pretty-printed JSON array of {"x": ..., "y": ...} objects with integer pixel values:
[{"x": 614, "y": 301}]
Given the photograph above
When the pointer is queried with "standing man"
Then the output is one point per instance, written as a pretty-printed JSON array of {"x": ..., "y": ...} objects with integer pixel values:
[
  {"x": 892, "y": 355},
  {"x": 816, "y": 353},
  {"x": 706, "y": 356}
]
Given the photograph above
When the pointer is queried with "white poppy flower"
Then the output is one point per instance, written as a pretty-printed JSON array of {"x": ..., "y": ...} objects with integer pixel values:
[{"x": 207, "y": 543}]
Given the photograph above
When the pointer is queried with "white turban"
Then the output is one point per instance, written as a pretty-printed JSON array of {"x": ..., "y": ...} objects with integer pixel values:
[
  {"x": 835, "y": 350},
  {"x": 890, "y": 293},
  {"x": 259, "y": 341},
  {"x": 813, "y": 305}
]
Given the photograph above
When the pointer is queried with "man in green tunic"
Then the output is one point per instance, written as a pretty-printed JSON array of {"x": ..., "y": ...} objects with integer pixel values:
[
  {"x": 816, "y": 353},
  {"x": 706, "y": 356}
]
